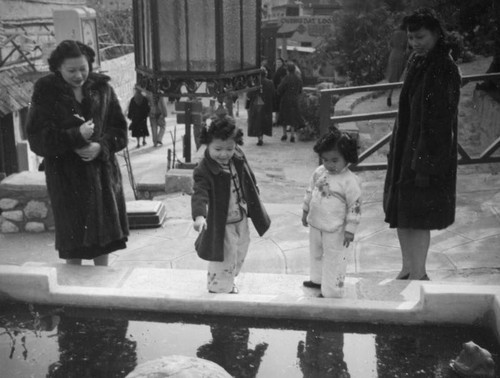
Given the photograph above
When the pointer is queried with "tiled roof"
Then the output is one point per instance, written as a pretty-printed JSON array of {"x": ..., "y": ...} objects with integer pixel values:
[{"x": 16, "y": 87}]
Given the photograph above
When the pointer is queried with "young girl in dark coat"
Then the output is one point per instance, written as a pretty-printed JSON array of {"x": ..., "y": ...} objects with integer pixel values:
[
  {"x": 420, "y": 187},
  {"x": 225, "y": 194}
]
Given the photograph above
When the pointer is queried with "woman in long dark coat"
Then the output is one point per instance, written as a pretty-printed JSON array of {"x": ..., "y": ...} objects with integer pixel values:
[
  {"x": 260, "y": 109},
  {"x": 138, "y": 113},
  {"x": 289, "y": 114},
  {"x": 279, "y": 74},
  {"x": 76, "y": 123},
  {"x": 420, "y": 187}
]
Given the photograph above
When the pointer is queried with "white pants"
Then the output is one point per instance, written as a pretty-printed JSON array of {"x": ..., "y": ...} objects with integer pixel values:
[
  {"x": 221, "y": 275},
  {"x": 328, "y": 263}
]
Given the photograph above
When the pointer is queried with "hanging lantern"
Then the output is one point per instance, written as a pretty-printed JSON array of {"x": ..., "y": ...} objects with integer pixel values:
[{"x": 197, "y": 48}]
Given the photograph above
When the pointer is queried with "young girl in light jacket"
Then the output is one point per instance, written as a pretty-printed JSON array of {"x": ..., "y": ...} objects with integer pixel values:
[{"x": 332, "y": 209}]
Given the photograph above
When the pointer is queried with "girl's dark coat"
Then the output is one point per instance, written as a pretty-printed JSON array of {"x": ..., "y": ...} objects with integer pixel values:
[
  {"x": 424, "y": 143},
  {"x": 260, "y": 116},
  {"x": 138, "y": 114},
  {"x": 86, "y": 197},
  {"x": 288, "y": 92},
  {"x": 210, "y": 199}
]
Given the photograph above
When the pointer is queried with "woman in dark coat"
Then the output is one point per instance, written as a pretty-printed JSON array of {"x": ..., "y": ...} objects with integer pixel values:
[
  {"x": 260, "y": 109},
  {"x": 420, "y": 187},
  {"x": 76, "y": 123},
  {"x": 138, "y": 113},
  {"x": 289, "y": 113},
  {"x": 279, "y": 74}
]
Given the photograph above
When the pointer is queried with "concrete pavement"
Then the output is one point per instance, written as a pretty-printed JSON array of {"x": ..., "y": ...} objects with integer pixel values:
[
  {"x": 160, "y": 270},
  {"x": 468, "y": 251}
]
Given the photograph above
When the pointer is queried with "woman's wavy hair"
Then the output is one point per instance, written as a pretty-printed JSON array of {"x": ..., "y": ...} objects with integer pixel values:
[
  {"x": 428, "y": 19},
  {"x": 70, "y": 49},
  {"x": 424, "y": 18},
  {"x": 342, "y": 142},
  {"x": 224, "y": 128}
]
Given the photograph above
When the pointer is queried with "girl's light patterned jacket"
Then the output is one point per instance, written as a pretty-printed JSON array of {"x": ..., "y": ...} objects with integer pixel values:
[{"x": 333, "y": 201}]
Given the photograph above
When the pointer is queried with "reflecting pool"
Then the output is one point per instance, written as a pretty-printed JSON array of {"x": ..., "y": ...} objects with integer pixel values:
[{"x": 42, "y": 341}]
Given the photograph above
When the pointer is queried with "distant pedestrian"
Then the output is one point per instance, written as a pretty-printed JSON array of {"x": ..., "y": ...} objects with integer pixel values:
[
  {"x": 289, "y": 90},
  {"x": 420, "y": 186},
  {"x": 279, "y": 74},
  {"x": 75, "y": 122},
  {"x": 398, "y": 57},
  {"x": 138, "y": 112},
  {"x": 157, "y": 114},
  {"x": 225, "y": 194},
  {"x": 332, "y": 209},
  {"x": 269, "y": 68},
  {"x": 260, "y": 110}
]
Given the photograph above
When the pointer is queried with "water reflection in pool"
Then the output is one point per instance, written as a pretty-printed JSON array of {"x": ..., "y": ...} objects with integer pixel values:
[{"x": 84, "y": 343}]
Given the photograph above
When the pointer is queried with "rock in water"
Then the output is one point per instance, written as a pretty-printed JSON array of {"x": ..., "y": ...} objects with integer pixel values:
[
  {"x": 474, "y": 361},
  {"x": 179, "y": 367}
]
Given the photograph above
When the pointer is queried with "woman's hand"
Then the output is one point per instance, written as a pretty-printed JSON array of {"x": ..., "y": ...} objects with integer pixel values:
[
  {"x": 200, "y": 223},
  {"x": 87, "y": 129},
  {"x": 304, "y": 218},
  {"x": 89, "y": 152},
  {"x": 348, "y": 238}
]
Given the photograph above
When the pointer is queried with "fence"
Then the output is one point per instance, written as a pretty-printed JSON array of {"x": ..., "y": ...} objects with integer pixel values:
[{"x": 326, "y": 119}]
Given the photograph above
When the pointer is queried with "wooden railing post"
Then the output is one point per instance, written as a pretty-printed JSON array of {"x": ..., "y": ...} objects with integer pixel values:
[{"x": 324, "y": 112}]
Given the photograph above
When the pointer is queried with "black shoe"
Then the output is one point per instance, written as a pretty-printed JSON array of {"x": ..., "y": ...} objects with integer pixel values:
[
  {"x": 234, "y": 291},
  {"x": 159, "y": 143},
  {"x": 425, "y": 278},
  {"x": 292, "y": 139},
  {"x": 312, "y": 285},
  {"x": 283, "y": 138},
  {"x": 404, "y": 277},
  {"x": 260, "y": 142},
  {"x": 144, "y": 143}
]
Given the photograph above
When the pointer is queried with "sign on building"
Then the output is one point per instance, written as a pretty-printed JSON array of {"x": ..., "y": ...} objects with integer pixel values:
[{"x": 79, "y": 24}]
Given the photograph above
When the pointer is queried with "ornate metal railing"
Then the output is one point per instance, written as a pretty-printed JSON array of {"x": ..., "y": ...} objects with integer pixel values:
[{"x": 326, "y": 119}]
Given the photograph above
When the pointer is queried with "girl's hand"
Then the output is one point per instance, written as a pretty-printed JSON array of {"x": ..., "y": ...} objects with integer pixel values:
[
  {"x": 348, "y": 238},
  {"x": 200, "y": 224},
  {"x": 89, "y": 152},
  {"x": 304, "y": 218},
  {"x": 87, "y": 129}
]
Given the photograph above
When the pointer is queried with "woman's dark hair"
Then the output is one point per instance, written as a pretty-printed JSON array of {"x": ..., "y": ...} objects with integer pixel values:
[
  {"x": 342, "y": 142},
  {"x": 424, "y": 18},
  {"x": 290, "y": 67},
  {"x": 70, "y": 49},
  {"x": 224, "y": 128}
]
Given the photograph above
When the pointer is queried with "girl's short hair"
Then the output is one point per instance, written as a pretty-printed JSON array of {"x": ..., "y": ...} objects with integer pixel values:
[
  {"x": 223, "y": 127},
  {"x": 70, "y": 49},
  {"x": 342, "y": 142}
]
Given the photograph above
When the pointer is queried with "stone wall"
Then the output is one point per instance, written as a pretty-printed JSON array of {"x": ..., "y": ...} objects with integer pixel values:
[
  {"x": 25, "y": 204},
  {"x": 122, "y": 73}
]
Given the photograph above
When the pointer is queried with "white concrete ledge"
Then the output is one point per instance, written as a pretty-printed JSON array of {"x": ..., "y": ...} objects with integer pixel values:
[{"x": 261, "y": 295}]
